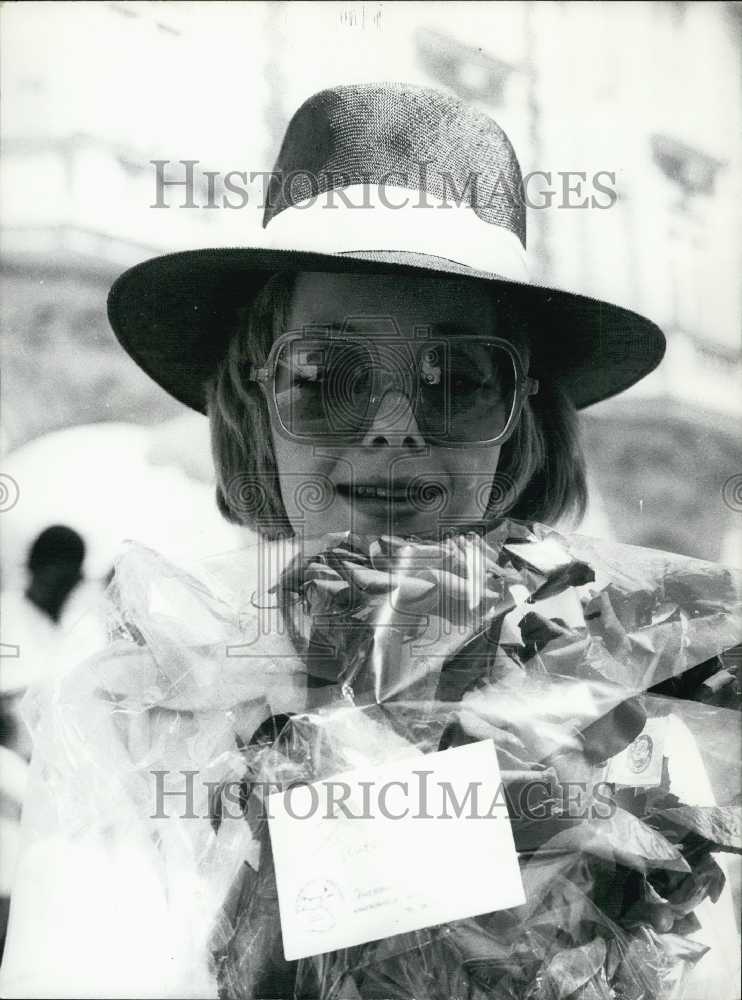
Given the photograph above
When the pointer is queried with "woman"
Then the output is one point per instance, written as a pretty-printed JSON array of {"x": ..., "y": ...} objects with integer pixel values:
[{"x": 399, "y": 379}]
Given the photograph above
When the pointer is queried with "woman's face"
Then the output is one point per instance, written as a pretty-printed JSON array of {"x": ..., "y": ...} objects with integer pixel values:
[{"x": 364, "y": 487}]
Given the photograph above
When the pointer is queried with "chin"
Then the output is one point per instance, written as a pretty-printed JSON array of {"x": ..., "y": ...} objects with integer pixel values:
[
  {"x": 394, "y": 522},
  {"x": 382, "y": 519}
]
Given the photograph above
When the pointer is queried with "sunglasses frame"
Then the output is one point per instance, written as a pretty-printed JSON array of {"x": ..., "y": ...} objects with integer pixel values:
[{"x": 264, "y": 376}]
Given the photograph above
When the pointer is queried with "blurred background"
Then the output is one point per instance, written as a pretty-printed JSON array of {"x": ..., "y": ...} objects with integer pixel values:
[
  {"x": 92, "y": 93},
  {"x": 649, "y": 93}
]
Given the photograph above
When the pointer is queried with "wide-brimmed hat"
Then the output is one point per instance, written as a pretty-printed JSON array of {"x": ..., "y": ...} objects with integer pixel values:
[{"x": 381, "y": 178}]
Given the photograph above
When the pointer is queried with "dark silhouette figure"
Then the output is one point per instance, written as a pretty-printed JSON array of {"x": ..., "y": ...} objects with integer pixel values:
[{"x": 55, "y": 564}]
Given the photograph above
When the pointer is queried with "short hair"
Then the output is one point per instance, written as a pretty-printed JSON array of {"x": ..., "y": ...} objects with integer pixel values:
[
  {"x": 540, "y": 474},
  {"x": 57, "y": 546}
]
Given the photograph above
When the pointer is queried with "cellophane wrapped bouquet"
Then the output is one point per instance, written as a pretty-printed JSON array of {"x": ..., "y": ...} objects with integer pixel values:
[{"x": 287, "y": 665}]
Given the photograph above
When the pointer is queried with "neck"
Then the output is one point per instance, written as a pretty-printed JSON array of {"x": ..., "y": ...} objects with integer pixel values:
[{"x": 50, "y": 600}]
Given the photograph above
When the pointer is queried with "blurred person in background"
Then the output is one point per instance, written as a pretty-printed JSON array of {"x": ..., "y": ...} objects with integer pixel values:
[
  {"x": 13, "y": 775},
  {"x": 32, "y": 619},
  {"x": 55, "y": 564}
]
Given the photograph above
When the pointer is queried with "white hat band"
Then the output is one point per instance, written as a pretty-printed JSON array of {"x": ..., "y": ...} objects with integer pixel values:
[{"x": 364, "y": 218}]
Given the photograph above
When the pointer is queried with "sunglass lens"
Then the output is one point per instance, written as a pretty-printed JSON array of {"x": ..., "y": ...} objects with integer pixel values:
[
  {"x": 468, "y": 390},
  {"x": 323, "y": 388}
]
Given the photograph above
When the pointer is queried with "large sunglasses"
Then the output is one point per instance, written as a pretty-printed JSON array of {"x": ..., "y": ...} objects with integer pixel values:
[{"x": 464, "y": 391}]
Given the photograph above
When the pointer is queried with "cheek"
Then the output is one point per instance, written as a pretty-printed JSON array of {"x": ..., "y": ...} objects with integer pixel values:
[
  {"x": 297, "y": 472},
  {"x": 471, "y": 471},
  {"x": 306, "y": 487}
]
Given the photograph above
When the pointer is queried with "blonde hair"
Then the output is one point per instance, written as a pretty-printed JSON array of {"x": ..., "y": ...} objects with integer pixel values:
[{"x": 540, "y": 474}]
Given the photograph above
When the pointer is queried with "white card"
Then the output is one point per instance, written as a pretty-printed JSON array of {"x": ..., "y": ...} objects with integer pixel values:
[{"x": 410, "y": 844}]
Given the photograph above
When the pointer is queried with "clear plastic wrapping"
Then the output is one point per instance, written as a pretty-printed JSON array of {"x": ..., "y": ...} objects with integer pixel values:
[{"x": 290, "y": 664}]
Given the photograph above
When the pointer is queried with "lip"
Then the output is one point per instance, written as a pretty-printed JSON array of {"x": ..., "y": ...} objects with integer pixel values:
[{"x": 376, "y": 491}]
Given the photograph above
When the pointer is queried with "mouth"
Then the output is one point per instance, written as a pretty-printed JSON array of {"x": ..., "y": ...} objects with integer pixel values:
[
  {"x": 399, "y": 493},
  {"x": 374, "y": 492}
]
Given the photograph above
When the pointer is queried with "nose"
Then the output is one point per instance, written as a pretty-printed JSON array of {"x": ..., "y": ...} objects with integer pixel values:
[{"x": 394, "y": 424}]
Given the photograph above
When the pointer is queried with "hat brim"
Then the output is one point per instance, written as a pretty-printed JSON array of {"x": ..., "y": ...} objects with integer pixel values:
[{"x": 175, "y": 314}]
